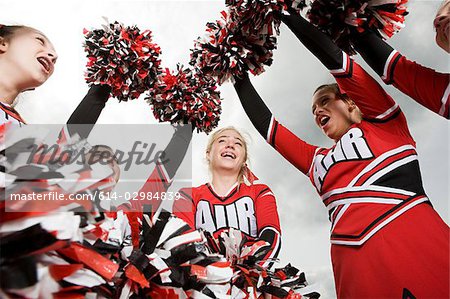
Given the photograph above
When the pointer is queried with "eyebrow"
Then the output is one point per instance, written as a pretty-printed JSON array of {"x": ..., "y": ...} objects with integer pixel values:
[{"x": 224, "y": 136}]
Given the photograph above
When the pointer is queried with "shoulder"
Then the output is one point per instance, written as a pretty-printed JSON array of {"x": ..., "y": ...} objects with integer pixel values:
[
  {"x": 257, "y": 189},
  {"x": 193, "y": 191}
]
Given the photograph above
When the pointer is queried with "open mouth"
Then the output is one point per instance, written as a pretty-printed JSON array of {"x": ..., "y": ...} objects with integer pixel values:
[
  {"x": 228, "y": 155},
  {"x": 45, "y": 63},
  {"x": 324, "y": 120}
]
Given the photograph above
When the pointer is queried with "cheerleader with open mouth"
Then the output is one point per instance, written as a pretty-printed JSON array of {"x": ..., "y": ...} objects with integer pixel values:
[{"x": 387, "y": 241}]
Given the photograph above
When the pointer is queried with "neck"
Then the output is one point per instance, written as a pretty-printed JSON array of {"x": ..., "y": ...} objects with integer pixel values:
[
  {"x": 222, "y": 182},
  {"x": 9, "y": 90}
]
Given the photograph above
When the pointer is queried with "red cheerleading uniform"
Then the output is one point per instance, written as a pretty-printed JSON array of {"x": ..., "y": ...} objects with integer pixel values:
[
  {"x": 387, "y": 241},
  {"x": 249, "y": 208}
]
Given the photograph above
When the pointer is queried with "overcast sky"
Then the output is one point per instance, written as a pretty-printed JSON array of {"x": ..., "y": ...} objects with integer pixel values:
[{"x": 286, "y": 86}]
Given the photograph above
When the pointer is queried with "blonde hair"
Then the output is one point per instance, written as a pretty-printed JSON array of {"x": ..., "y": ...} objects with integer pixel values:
[
  {"x": 216, "y": 136},
  {"x": 443, "y": 4}
]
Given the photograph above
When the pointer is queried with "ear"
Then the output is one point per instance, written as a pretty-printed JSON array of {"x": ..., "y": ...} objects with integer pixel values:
[
  {"x": 3, "y": 45},
  {"x": 351, "y": 105},
  {"x": 207, "y": 155}
]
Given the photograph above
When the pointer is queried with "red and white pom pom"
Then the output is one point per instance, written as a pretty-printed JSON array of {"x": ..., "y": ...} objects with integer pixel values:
[
  {"x": 257, "y": 17},
  {"x": 123, "y": 57},
  {"x": 342, "y": 20},
  {"x": 225, "y": 52},
  {"x": 186, "y": 96}
]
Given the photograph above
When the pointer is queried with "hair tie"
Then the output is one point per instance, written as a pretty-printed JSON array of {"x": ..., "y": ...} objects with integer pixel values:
[{"x": 249, "y": 175}]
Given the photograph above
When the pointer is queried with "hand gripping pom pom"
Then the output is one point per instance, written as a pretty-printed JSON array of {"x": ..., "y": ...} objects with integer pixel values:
[
  {"x": 124, "y": 58},
  {"x": 226, "y": 51},
  {"x": 186, "y": 96},
  {"x": 343, "y": 20},
  {"x": 251, "y": 277}
]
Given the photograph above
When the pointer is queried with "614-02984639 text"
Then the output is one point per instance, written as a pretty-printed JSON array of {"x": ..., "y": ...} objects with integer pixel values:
[{"x": 106, "y": 196}]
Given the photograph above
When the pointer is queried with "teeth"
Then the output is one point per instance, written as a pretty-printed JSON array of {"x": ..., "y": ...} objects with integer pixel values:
[
  {"x": 324, "y": 120},
  {"x": 227, "y": 154},
  {"x": 44, "y": 62}
]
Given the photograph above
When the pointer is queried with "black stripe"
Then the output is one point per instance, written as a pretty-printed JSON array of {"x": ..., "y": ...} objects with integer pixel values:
[
  {"x": 187, "y": 196},
  {"x": 264, "y": 190},
  {"x": 275, "y": 127},
  {"x": 376, "y": 221},
  {"x": 390, "y": 78},
  {"x": 222, "y": 198},
  {"x": 375, "y": 120},
  {"x": 162, "y": 176},
  {"x": 346, "y": 74}
]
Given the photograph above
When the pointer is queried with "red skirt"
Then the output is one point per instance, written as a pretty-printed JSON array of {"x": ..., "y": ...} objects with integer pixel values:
[{"x": 409, "y": 258}]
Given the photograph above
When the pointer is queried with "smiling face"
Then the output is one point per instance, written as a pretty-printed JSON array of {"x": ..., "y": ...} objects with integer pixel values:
[
  {"x": 333, "y": 115},
  {"x": 442, "y": 25},
  {"x": 28, "y": 57},
  {"x": 227, "y": 151}
]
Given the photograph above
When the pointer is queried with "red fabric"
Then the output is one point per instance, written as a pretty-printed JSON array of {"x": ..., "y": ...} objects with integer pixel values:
[
  {"x": 247, "y": 208},
  {"x": 424, "y": 85},
  {"x": 59, "y": 272},
  {"x": 98, "y": 263},
  {"x": 261, "y": 200},
  {"x": 299, "y": 153},
  {"x": 415, "y": 257}
]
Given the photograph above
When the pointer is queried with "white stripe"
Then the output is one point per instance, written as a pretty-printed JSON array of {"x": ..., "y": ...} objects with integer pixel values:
[
  {"x": 338, "y": 217},
  {"x": 389, "y": 168},
  {"x": 363, "y": 200},
  {"x": 444, "y": 100},
  {"x": 312, "y": 162},
  {"x": 367, "y": 188},
  {"x": 268, "y": 193},
  {"x": 164, "y": 172},
  {"x": 380, "y": 159},
  {"x": 386, "y": 65},
  {"x": 344, "y": 65},
  {"x": 268, "y": 135},
  {"x": 382, "y": 224},
  {"x": 387, "y": 112},
  {"x": 274, "y": 251}
]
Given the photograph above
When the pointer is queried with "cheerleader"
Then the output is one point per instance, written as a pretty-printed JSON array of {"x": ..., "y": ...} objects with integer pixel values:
[
  {"x": 228, "y": 201},
  {"x": 386, "y": 239},
  {"x": 27, "y": 60}
]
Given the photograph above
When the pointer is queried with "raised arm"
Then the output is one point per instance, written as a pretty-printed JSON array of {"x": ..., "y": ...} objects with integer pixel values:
[
  {"x": 296, "y": 151},
  {"x": 429, "y": 88},
  {"x": 84, "y": 117},
  {"x": 370, "y": 97},
  {"x": 162, "y": 175}
]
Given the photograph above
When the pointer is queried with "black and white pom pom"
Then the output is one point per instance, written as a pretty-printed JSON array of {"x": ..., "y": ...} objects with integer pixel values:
[
  {"x": 123, "y": 57},
  {"x": 186, "y": 96},
  {"x": 224, "y": 51},
  {"x": 342, "y": 20}
]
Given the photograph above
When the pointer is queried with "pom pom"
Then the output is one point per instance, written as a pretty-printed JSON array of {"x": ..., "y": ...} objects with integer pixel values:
[
  {"x": 186, "y": 96},
  {"x": 124, "y": 58},
  {"x": 251, "y": 279},
  {"x": 226, "y": 51},
  {"x": 294, "y": 6},
  {"x": 257, "y": 17},
  {"x": 343, "y": 20}
]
